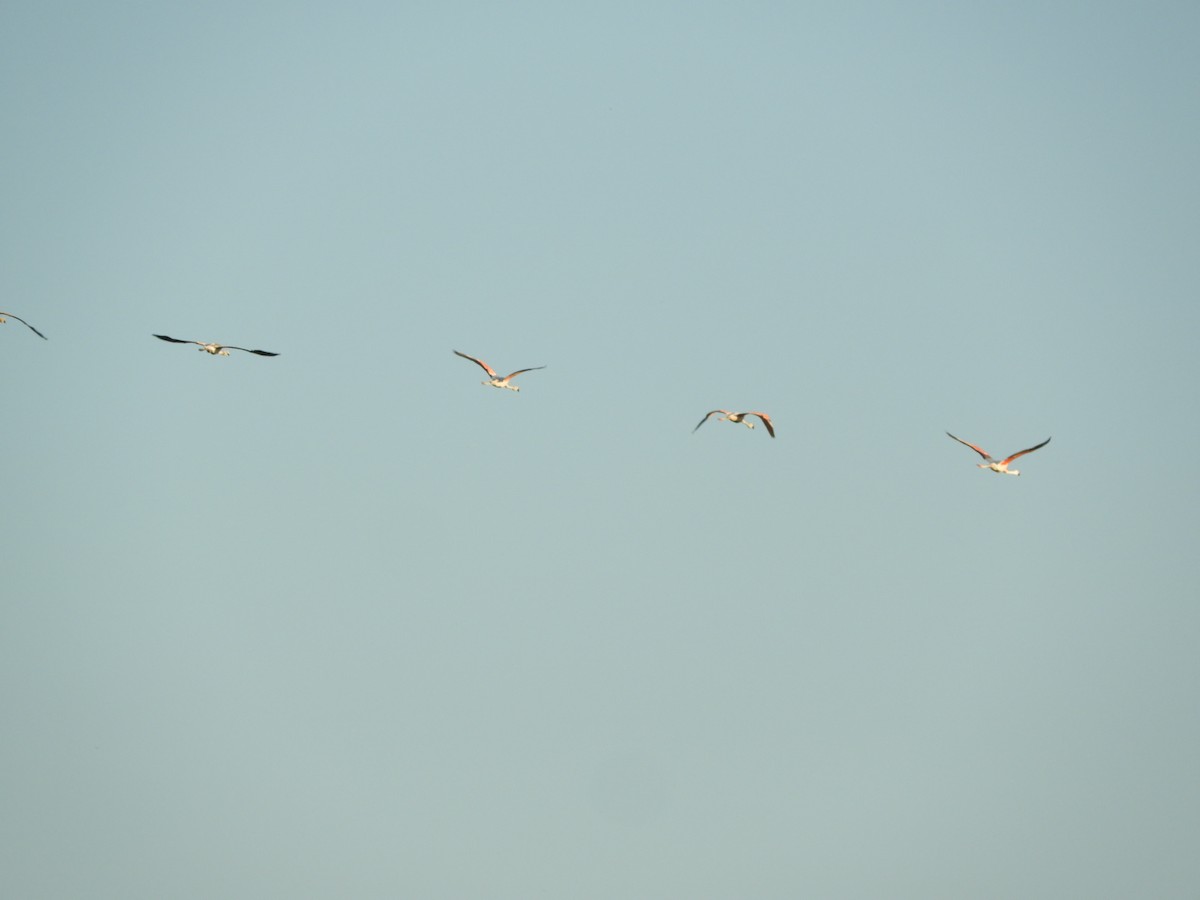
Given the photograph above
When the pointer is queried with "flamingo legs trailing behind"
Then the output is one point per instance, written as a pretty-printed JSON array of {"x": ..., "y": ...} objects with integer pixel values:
[{"x": 1000, "y": 466}]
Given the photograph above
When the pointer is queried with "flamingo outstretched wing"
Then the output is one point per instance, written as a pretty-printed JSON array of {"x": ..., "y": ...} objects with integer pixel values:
[
  {"x": 518, "y": 372},
  {"x": 163, "y": 337},
  {"x": 1006, "y": 461},
  {"x": 766, "y": 420},
  {"x": 480, "y": 363},
  {"x": 708, "y": 415},
  {"x": 244, "y": 350},
  {"x": 26, "y": 324},
  {"x": 978, "y": 450}
]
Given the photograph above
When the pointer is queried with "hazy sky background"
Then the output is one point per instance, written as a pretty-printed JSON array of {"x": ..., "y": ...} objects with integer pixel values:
[{"x": 345, "y": 623}]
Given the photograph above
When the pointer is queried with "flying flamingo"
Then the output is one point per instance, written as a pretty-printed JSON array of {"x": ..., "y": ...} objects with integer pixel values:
[
  {"x": 1002, "y": 465},
  {"x": 23, "y": 322},
  {"x": 214, "y": 349},
  {"x": 727, "y": 416},
  {"x": 496, "y": 381}
]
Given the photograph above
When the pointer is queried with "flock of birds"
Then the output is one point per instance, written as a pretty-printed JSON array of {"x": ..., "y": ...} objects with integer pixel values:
[{"x": 1000, "y": 466}]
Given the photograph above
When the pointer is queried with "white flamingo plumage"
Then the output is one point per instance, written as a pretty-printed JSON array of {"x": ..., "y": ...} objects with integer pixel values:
[
  {"x": 1000, "y": 466},
  {"x": 495, "y": 380},
  {"x": 215, "y": 349},
  {"x": 23, "y": 322},
  {"x": 727, "y": 416}
]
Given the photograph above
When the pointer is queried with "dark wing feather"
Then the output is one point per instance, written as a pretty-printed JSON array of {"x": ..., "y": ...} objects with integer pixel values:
[
  {"x": 244, "y": 350},
  {"x": 1023, "y": 452},
  {"x": 26, "y": 324},
  {"x": 706, "y": 418},
  {"x": 163, "y": 337},
  {"x": 519, "y": 371},
  {"x": 978, "y": 450},
  {"x": 480, "y": 363},
  {"x": 766, "y": 420}
]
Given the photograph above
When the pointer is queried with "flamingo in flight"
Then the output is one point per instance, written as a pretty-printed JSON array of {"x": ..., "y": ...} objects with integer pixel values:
[
  {"x": 1000, "y": 466},
  {"x": 214, "y": 349},
  {"x": 23, "y": 322},
  {"x": 727, "y": 416},
  {"x": 496, "y": 381}
]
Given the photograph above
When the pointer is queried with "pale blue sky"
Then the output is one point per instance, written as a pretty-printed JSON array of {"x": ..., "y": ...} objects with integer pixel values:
[{"x": 345, "y": 623}]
